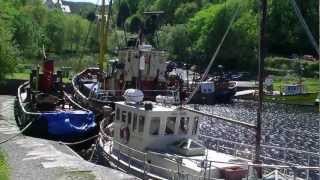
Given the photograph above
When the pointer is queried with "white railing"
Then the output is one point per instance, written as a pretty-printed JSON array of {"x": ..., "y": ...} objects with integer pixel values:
[
  {"x": 247, "y": 151},
  {"x": 127, "y": 156}
]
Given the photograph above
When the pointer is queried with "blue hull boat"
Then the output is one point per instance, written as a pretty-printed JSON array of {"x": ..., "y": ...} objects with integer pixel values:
[
  {"x": 67, "y": 122},
  {"x": 44, "y": 110}
]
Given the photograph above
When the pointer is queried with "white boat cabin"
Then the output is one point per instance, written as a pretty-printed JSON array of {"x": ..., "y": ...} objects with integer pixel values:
[
  {"x": 154, "y": 126},
  {"x": 293, "y": 89}
]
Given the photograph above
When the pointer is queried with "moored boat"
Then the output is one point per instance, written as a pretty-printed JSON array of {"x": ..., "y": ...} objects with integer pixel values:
[
  {"x": 43, "y": 109},
  {"x": 159, "y": 141},
  {"x": 292, "y": 94}
]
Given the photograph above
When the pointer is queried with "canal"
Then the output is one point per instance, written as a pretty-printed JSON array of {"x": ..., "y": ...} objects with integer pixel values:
[{"x": 287, "y": 131}]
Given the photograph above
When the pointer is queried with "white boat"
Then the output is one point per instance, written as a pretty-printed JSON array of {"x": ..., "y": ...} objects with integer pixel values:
[{"x": 160, "y": 141}]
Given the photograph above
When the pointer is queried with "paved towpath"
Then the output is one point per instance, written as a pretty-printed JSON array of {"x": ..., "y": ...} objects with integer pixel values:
[{"x": 38, "y": 159}]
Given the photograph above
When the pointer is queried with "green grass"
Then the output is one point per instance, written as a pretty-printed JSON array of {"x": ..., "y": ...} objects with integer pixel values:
[
  {"x": 4, "y": 168},
  {"x": 19, "y": 76},
  {"x": 311, "y": 85}
]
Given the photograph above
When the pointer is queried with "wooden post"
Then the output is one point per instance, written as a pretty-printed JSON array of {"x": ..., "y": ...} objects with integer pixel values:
[{"x": 262, "y": 55}]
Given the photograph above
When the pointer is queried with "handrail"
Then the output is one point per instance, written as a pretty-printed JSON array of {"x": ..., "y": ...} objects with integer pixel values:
[
  {"x": 219, "y": 162},
  {"x": 20, "y": 100},
  {"x": 263, "y": 145},
  {"x": 75, "y": 103}
]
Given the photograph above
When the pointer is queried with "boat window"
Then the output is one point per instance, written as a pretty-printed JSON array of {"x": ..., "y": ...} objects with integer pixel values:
[
  {"x": 155, "y": 126},
  {"x": 118, "y": 114},
  {"x": 123, "y": 116},
  {"x": 141, "y": 123},
  {"x": 129, "y": 118},
  {"x": 184, "y": 125},
  {"x": 184, "y": 145},
  {"x": 195, "y": 125},
  {"x": 194, "y": 145},
  {"x": 134, "y": 124},
  {"x": 170, "y": 125}
]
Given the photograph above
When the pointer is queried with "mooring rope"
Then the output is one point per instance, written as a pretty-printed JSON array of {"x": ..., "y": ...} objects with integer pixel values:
[
  {"x": 79, "y": 142},
  {"x": 21, "y": 132}
]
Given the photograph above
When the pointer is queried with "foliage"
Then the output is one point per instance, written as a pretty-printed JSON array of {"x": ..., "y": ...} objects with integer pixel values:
[
  {"x": 283, "y": 66},
  {"x": 175, "y": 40},
  {"x": 8, "y": 51},
  {"x": 134, "y": 23},
  {"x": 4, "y": 168},
  {"x": 207, "y": 27},
  {"x": 189, "y": 29},
  {"x": 123, "y": 13}
]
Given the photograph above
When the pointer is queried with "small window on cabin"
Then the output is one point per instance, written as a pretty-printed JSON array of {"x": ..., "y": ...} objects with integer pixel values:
[
  {"x": 184, "y": 145},
  {"x": 118, "y": 114},
  {"x": 123, "y": 116},
  {"x": 141, "y": 124},
  {"x": 194, "y": 145},
  {"x": 135, "y": 121},
  {"x": 184, "y": 125},
  {"x": 195, "y": 125},
  {"x": 155, "y": 126},
  {"x": 129, "y": 118},
  {"x": 170, "y": 125}
]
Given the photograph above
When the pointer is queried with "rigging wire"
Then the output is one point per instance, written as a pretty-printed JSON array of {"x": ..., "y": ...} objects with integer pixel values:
[
  {"x": 214, "y": 55},
  {"x": 305, "y": 26}
]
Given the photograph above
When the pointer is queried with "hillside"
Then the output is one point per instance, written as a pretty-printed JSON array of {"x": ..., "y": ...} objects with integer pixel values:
[{"x": 191, "y": 29}]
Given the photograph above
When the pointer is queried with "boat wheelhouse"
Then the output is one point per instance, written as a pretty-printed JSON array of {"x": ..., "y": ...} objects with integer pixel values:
[{"x": 160, "y": 141}]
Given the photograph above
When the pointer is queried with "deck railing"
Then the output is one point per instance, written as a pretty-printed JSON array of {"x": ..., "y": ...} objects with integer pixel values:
[
  {"x": 129, "y": 157},
  {"x": 247, "y": 151}
]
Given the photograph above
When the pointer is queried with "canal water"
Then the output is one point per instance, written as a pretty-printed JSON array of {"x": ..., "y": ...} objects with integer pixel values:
[{"x": 287, "y": 131}]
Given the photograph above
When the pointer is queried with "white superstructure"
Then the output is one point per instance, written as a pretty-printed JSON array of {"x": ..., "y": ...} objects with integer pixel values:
[{"x": 160, "y": 141}]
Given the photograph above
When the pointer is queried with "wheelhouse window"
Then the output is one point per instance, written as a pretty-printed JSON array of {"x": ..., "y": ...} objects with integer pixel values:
[
  {"x": 123, "y": 116},
  {"x": 195, "y": 125},
  {"x": 141, "y": 124},
  {"x": 154, "y": 126},
  {"x": 184, "y": 125},
  {"x": 118, "y": 114},
  {"x": 135, "y": 122},
  {"x": 170, "y": 125},
  {"x": 129, "y": 118}
]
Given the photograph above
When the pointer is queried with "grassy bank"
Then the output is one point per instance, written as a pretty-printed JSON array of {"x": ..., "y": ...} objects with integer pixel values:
[
  {"x": 311, "y": 85},
  {"x": 4, "y": 168}
]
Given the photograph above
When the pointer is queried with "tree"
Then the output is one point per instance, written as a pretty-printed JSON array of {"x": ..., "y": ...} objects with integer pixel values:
[
  {"x": 184, "y": 12},
  {"x": 208, "y": 26},
  {"x": 175, "y": 40},
  {"x": 123, "y": 14},
  {"x": 55, "y": 32},
  {"x": 8, "y": 52},
  {"x": 134, "y": 23}
]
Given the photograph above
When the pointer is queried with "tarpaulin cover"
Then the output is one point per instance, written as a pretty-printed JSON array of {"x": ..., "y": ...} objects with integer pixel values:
[{"x": 69, "y": 123}]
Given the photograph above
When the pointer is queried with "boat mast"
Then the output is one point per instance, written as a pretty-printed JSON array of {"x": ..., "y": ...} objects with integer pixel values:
[
  {"x": 102, "y": 35},
  {"x": 262, "y": 55}
]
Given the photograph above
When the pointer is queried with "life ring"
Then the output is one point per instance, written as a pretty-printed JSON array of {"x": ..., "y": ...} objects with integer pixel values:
[{"x": 125, "y": 134}]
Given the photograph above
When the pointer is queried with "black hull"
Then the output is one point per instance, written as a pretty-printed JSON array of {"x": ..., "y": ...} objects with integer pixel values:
[
  {"x": 224, "y": 97},
  {"x": 82, "y": 95}
]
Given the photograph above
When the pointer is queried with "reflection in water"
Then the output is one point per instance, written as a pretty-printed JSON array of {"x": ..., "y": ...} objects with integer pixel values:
[{"x": 285, "y": 126}]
